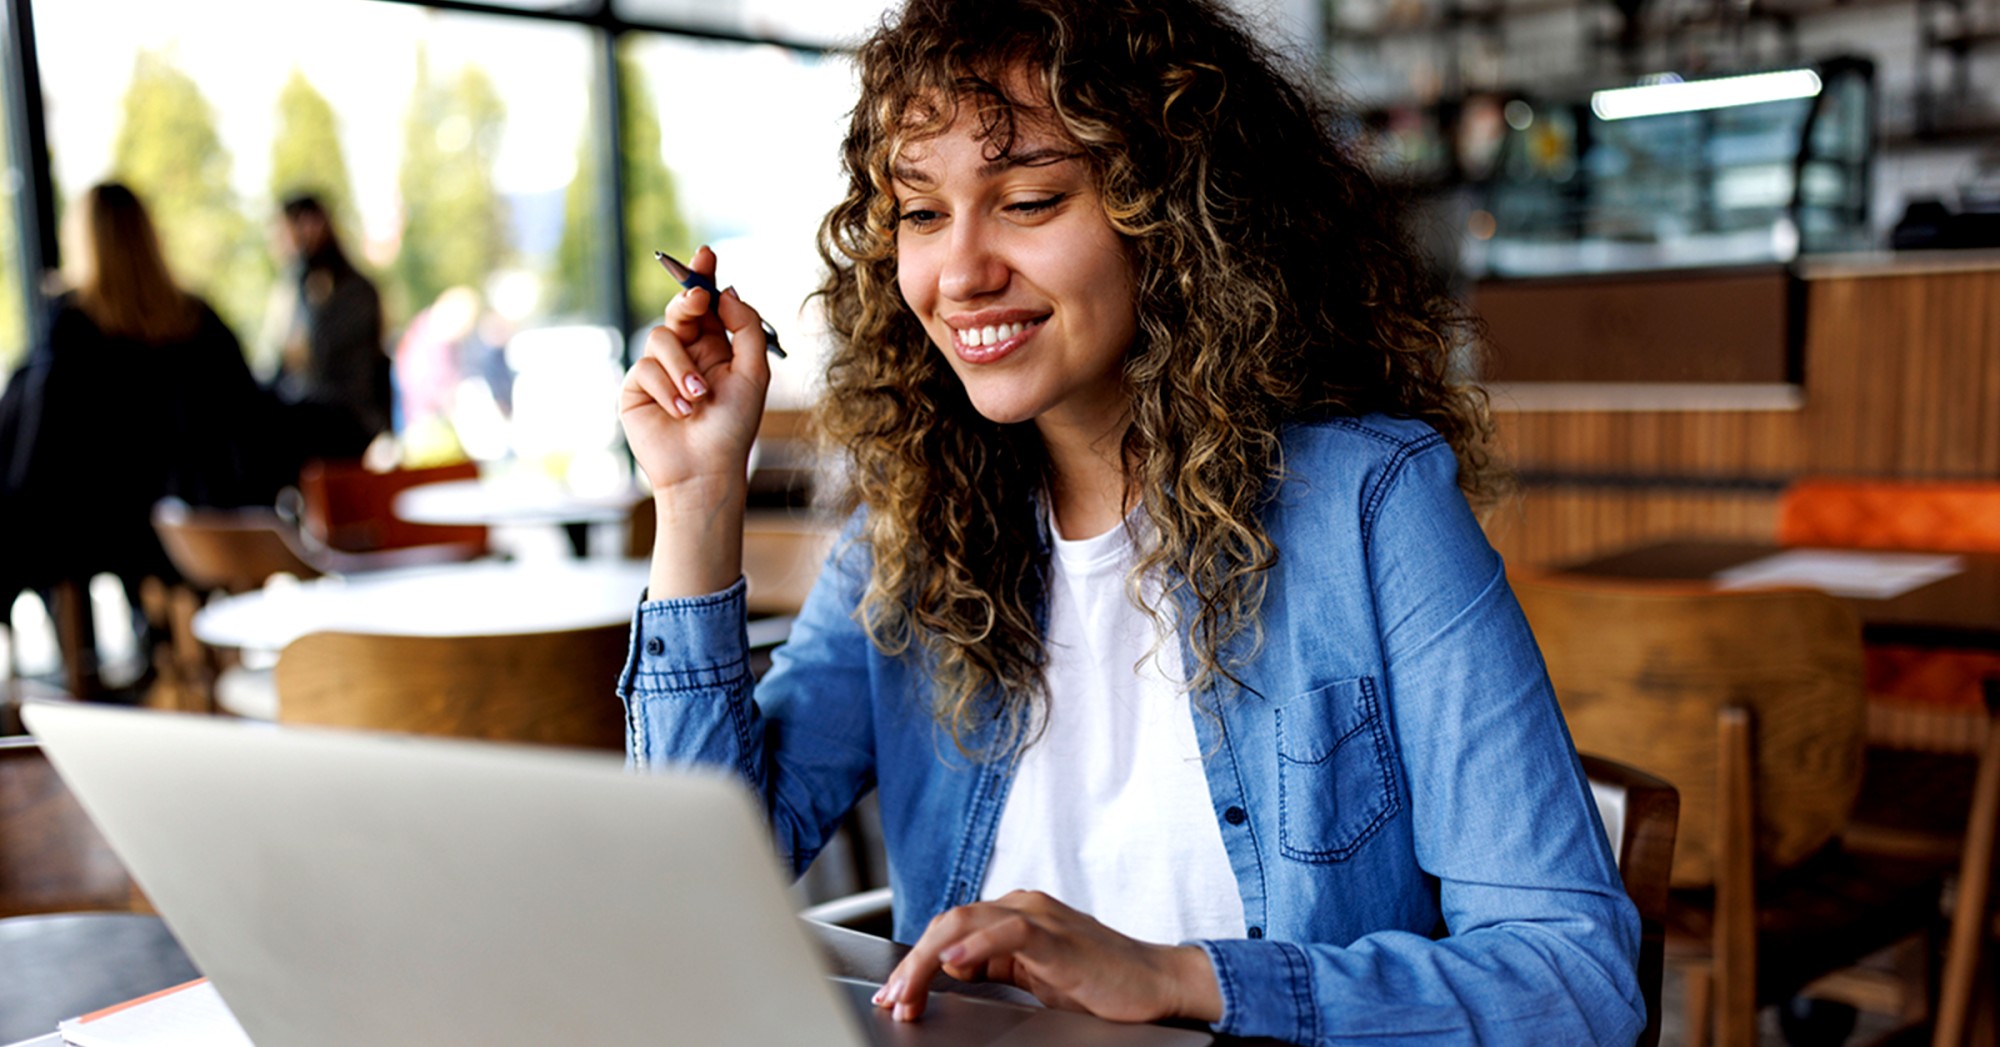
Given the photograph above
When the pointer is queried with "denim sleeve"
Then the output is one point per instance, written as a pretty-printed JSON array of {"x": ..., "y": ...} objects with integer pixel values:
[
  {"x": 802, "y": 737},
  {"x": 1542, "y": 941}
]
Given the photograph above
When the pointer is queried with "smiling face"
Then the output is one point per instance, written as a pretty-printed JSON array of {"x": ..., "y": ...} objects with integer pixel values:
[{"x": 1016, "y": 274}]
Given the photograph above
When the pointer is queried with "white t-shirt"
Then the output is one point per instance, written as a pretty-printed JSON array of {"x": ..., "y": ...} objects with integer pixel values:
[{"x": 1110, "y": 811}]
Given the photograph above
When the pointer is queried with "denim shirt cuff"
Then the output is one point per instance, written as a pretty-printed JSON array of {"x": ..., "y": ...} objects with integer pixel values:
[
  {"x": 686, "y": 644},
  {"x": 1266, "y": 989}
]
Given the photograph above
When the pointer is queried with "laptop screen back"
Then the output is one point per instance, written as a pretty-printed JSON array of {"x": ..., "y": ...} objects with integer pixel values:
[{"x": 346, "y": 889}]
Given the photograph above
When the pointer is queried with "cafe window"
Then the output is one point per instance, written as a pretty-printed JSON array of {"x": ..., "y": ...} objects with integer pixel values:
[
  {"x": 446, "y": 144},
  {"x": 13, "y": 310},
  {"x": 752, "y": 177},
  {"x": 812, "y": 22}
]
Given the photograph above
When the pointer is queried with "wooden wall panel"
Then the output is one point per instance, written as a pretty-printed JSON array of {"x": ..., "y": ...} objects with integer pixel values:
[
  {"x": 1902, "y": 378},
  {"x": 1546, "y": 526}
]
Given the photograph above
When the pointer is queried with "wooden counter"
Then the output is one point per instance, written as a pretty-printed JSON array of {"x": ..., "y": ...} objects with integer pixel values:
[{"x": 1901, "y": 377}]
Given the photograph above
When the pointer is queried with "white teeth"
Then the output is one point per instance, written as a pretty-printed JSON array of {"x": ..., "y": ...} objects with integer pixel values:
[{"x": 981, "y": 336}]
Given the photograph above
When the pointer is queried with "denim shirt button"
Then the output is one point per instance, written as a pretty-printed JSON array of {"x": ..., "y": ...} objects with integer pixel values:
[
  {"x": 1256, "y": 932},
  {"x": 1236, "y": 816},
  {"x": 655, "y": 646}
]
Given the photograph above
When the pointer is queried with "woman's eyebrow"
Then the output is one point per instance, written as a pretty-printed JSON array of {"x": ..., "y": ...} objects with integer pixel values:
[
  {"x": 918, "y": 178},
  {"x": 1031, "y": 158}
]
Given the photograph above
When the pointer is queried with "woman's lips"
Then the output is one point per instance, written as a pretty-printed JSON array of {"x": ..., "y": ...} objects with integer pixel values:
[{"x": 984, "y": 345}]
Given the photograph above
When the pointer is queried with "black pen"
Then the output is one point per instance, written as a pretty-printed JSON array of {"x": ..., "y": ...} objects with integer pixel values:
[{"x": 690, "y": 279}]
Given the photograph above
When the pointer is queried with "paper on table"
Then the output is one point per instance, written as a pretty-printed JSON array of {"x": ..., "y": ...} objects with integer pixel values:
[
  {"x": 190, "y": 1015},
  {"x": 1843, "y": 572}
]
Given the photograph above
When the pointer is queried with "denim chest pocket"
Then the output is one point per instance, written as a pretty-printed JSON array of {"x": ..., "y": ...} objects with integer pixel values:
[{"x": 1336, "y": 771}]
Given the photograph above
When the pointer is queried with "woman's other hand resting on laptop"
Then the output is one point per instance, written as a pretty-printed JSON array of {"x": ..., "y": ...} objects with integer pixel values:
[{"x": 1064, "y": 957}]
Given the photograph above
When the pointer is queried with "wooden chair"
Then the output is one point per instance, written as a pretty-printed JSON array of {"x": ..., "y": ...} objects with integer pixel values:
[
  {"x": 215, "y": 550},
  {"x": 1642, "y": 815},
  {"x": 556, "y": 688},
  {"x": 1751, "y": 704},
  {"x": 782, "y": 556},
  {"x": 1971, "y": 919},
  {"x": 349, "y": 508}
]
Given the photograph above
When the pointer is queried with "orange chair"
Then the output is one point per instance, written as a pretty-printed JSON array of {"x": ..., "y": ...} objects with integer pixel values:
[
  {"x": 1920, "y": 698},
  {"x": 349, "y": 508}
]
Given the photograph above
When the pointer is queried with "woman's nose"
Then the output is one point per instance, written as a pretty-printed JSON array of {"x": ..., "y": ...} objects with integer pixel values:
[{"x": 973, "y": 266}]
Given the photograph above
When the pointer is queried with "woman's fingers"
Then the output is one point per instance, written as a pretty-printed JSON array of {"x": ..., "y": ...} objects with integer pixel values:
[
  {"x": 649, "y": 383},
  {"x": 684, "y": 379},
  {"x": 1066, "y": 958},
  {"x": 746, "y": 338}
]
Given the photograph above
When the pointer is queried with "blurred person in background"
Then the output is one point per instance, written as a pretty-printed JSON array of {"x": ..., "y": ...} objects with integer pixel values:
[
  {"x": 333, "y": 376},
  {"x": 140, "y": 392}
]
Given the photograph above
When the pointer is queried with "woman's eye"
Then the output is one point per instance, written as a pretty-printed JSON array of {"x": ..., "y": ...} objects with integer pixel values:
[
  {"x": 1032, "y": 207},
  {"x": 918, "y": 218}
]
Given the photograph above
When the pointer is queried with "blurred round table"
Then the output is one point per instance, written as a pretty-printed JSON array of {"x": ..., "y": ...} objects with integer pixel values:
[
  {"x": 481, "y": 598},
  {"x": 505, "y": 503}
]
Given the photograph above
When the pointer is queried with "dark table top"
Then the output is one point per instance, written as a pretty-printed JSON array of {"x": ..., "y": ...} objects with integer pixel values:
[
  {"x": 60, "y": 966},
  {"x": 1960, "y": 611},
  {"x": 56, "y": 967}
]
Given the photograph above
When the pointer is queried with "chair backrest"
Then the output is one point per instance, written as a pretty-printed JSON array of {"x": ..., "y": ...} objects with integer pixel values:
[
  {"x": 350, "y": 508},
  {"x": 1647, "y": 816},
  {"x": 1925, "y": 515},
  {"x": 556, "y": 687},
  {"x": 52, "y": 859},
  {"x": 781, "y": 561},
  {"x": 1644, "y": 672},
  {"x": 234, "y": 550}
]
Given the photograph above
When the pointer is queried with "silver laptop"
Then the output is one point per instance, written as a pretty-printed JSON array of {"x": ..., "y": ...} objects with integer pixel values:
[{"x": 342, "y": 888}]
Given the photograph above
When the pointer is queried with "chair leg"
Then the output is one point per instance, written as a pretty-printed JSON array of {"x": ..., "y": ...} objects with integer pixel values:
[
  {"x": 76, "y": 635},
  {"x": 1735, "y": 885},
  {"x": 1970, "y": 916},
  {"x": 1698, "y": 997}
]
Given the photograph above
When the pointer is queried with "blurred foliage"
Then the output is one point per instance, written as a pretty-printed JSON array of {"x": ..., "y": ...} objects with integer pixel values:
[
  {"x": 653, "y": 218},
  {"x": 454, "y": 221},
  {"x": 13, "y": 314},
  {"x": 169, "y": 152},
  {"x": 306, "y": 156}
]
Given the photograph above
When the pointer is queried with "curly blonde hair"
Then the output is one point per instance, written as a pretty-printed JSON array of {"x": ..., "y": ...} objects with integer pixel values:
[{"x": 1273, "y": 286}]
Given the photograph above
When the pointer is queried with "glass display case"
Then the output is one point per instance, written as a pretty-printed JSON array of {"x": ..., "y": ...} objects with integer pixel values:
[{"x": 1743, "y": 170}]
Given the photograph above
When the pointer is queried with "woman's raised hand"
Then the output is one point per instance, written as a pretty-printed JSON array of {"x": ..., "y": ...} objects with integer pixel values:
[
  {"x": 1064, "y": 957},
  {"x": 690, "y": 407}
]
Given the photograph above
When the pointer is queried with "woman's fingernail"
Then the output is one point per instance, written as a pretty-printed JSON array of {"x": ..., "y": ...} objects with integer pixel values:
[
  {"x": 695, "y": 386},
  {"x": 893, "y": 990},
  {"x": 905, "y": 1013},
  {"x": 683, "y": 407},
  {"x": 880, "y": 993},
  {"x": 953, "y": 954},
  {"x": 730, "y": 292}
]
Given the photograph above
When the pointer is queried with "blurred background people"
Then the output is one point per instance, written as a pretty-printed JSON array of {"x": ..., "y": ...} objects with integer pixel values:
[
  {"x": 333, "y": 376},
  {"x": 140, "y": 392}
]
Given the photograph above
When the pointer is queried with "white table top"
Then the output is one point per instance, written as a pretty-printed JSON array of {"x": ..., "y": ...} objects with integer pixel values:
[
  {"x": 482, "y": 598},
  {"x": 503, "y": 502}
]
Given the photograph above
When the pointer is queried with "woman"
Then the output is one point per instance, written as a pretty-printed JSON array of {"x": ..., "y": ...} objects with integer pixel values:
[
  {"x": 1162, "y": 624},
  {"x": 140, "y": 392}
]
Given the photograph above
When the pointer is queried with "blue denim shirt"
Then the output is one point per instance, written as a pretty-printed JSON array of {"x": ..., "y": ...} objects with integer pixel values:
[{"x": 1395, "y": 769}]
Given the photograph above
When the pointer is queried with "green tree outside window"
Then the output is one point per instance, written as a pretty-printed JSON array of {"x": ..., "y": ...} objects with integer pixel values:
[
  {"x": 454, "y": 221},
  {"x": 653, "y": 220},
  {"x": 169, "y": 151}
]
